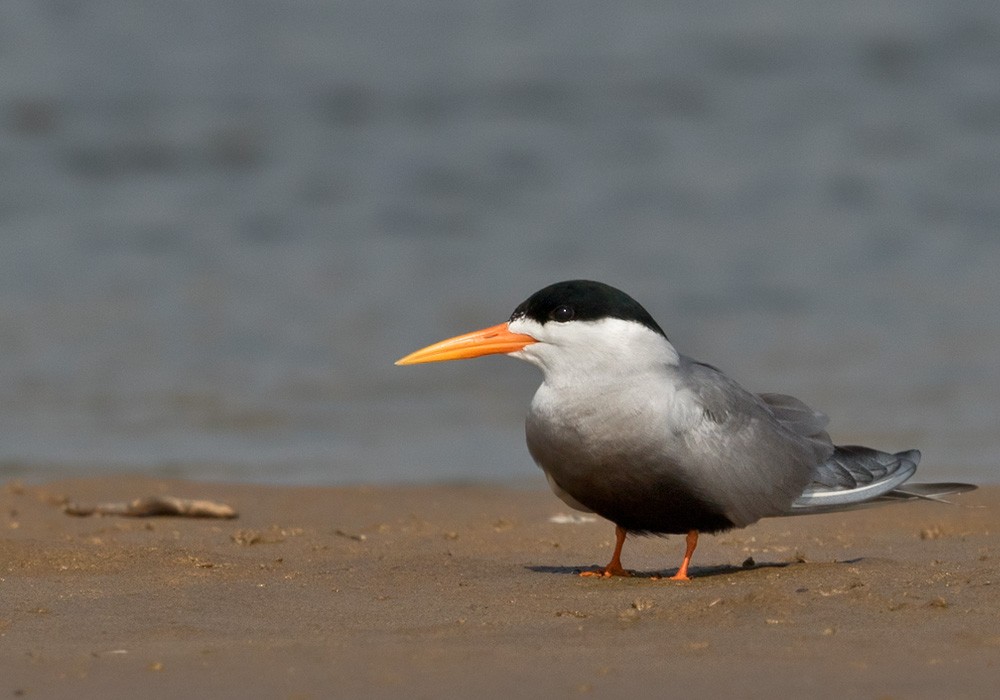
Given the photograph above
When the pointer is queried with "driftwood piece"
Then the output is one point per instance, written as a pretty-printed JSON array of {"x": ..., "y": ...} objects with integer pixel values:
[{"x": 155, "y": 505}]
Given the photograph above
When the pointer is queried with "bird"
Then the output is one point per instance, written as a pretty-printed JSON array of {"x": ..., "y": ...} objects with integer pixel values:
[{"x": 626, "y": 427}]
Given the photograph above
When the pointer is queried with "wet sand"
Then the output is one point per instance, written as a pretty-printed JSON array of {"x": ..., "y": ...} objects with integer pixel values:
[{"x": 463, "y": 591}]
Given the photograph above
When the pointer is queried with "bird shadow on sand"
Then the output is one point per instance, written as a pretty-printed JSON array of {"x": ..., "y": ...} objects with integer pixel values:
[{"x": 694, "y": 572}]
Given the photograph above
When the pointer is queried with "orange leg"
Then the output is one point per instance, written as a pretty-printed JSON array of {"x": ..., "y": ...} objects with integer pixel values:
[
  {"x": 614, "y": 567},
  {"x": 692, "y": 542}
]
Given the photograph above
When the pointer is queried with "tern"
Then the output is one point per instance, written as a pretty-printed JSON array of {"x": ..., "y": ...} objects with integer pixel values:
[{"x": 626, "y": 427}]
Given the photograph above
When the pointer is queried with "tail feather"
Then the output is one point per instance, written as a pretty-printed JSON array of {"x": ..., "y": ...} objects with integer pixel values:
[
  {"x": 856, "y": 477},
  {"x": 927, "y": 492}
]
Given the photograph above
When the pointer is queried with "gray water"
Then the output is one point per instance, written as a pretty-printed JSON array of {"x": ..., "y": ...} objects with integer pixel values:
[{"x": 222, "y": 222}]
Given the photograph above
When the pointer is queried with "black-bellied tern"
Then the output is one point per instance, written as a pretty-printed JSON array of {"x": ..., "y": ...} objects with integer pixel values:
[{"x": 626, "y": 427}]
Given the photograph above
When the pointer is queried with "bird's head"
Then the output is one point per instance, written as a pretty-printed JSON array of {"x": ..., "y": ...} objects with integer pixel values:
[{"x": 572, "y": 328}]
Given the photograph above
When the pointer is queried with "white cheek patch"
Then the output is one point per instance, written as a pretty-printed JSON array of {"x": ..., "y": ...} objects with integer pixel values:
[{"x": 592, "y": 351}]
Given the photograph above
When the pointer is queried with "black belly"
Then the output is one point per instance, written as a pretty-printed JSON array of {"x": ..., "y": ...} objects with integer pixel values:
[
  {"x": 637, "y": 488},
  {"x": 646, "y": 505},
  {"x": 665, "y": 515}
]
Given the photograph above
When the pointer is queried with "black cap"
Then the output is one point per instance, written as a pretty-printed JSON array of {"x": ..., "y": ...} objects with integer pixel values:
[{"x": 583, "y": 300}]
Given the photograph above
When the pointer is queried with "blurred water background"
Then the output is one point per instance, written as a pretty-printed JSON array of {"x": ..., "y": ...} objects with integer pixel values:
[{"x": 222, "y": 222}]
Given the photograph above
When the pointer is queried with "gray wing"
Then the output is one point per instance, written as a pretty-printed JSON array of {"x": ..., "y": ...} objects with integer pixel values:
[
  {"x": 755, "y": 454},
  {"x": 724, "y": 398},
  {"x": 851, "y": 476},
  {"x": 843, "y": 477},
  {"x": 802, "y": 420},
  {"x": 856, "y": 477},
  {"x": 797, "y": 416}
]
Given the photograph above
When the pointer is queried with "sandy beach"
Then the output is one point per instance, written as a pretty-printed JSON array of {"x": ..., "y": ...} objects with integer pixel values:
[{"x": 462, "y": 591}]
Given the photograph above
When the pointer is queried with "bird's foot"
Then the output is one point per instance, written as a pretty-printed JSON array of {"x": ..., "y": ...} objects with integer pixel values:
[
  {"x": 676, "y": 577},
  {"x": 608, "y": 571}
]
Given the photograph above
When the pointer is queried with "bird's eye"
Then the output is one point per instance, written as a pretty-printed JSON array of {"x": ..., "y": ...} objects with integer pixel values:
[{"x": 562, "y": 314}]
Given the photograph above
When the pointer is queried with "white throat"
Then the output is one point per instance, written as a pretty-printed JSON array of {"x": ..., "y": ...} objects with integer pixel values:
[{"x": 593, "y": 352}]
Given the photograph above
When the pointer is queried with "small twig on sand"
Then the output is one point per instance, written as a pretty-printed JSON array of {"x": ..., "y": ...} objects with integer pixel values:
[{"x": 155, "y": 505}]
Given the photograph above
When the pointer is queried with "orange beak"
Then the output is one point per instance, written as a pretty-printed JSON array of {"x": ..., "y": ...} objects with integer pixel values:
[{"x": 489, "y": 341}]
